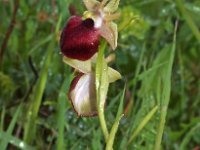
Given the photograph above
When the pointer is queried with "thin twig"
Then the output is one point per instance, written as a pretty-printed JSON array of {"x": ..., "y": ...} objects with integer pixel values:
[
  {"x": 34, "y": 81},
  {"x": 9, "y": 31},
  {"x": 33, "y": 67}
]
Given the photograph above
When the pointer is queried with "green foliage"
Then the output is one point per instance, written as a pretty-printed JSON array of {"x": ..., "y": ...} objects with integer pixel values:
[
  {"x": 132, "y": 23},
  {"x": 161, "y": 101},
  {"x": 7, "y": 87}
]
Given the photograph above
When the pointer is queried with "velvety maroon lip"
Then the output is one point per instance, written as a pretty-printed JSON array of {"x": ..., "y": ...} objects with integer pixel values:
[{"x": 79, "y": 39}]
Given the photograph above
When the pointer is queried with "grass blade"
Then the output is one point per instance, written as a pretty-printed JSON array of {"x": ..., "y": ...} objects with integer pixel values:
[
  {"x": 2, "y": 118},
  {"x": 15, "y": 141},
  {"x": 37, "y": 97},
  {"x": 10, "y": 129},
  {"x": 116, "y": 123},
  {"x": 166, "y": 93},
  {"x": 61, "y": 114},
  {"x": 188, "y": 136},
  {"x": 143, "y": 123}
]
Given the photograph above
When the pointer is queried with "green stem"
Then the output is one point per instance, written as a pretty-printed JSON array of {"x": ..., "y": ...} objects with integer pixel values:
[
  {"x": 100, "y": 89},
  {"x": 188, "y": 19},
  {"x": 103, "y": 123}
]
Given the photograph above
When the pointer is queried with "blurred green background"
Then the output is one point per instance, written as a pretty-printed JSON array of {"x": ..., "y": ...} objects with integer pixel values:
[{"x": 34, "y": 110}]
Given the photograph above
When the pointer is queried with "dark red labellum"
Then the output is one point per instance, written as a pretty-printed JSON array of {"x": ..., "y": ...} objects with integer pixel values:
[{"x": 79, "y": 39}]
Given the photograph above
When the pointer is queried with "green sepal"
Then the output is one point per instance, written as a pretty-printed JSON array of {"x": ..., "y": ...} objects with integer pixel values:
[
  {"x": 112, "y": 6},
  {"x": 109, "y": 32},
  {"x": 113, "y": 75},
  {"x": 91, "y": 4},
  {"x": 81, "y": 66}
]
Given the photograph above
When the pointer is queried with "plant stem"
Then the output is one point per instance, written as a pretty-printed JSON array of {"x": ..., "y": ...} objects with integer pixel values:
[
  {"x": 101, "y": 88},
  {"x": 103, "y": 123}
]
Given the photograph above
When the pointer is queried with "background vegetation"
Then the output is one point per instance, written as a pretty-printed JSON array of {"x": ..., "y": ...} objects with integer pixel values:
[{"x": 35, "y": 113}]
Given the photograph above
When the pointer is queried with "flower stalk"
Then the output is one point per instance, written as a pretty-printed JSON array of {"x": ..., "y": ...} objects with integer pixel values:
[{"x": 101, "y": 87}]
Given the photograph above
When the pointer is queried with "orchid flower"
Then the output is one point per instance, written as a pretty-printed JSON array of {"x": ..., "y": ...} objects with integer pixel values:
[
  {"x": 79, "y": 44},
  {"x": 80, "y": 37},
  {"x": 82, "y": 93}
]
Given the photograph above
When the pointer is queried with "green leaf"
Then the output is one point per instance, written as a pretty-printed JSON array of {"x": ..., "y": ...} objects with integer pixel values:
[{"x": 132, "y": 23}]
